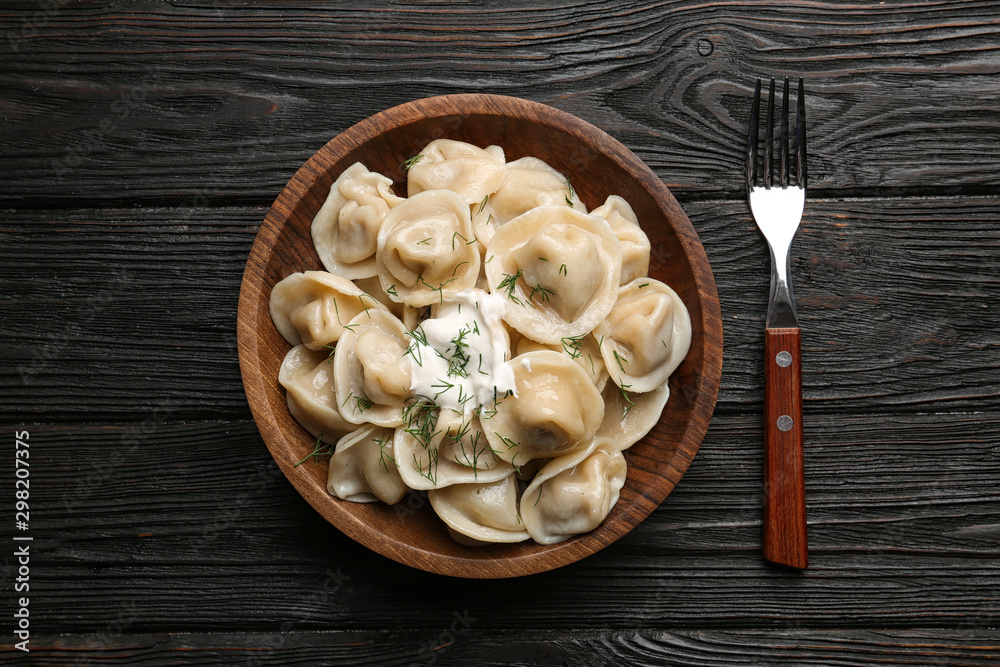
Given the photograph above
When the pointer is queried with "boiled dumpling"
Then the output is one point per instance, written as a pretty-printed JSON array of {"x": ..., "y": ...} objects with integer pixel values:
[
  {"x": 454, "y": 451},
  {"x": 560, "y": 269},
  {"x": 472, "y": 172},
  {"x": 635, "y": 243},
  {"x": 481, "y": 513},
  {"x": 362, "y": 468},
  {"x": 645, "y": 336},
  {"x": 582, "y": 349},
  {"x": 313, "y": 307},
  {"x": 371, "y": 369},
  {"x": 307, "y": 377},
  {"x": 530, "y": 183},
  {"x": 629, "y": 416},
  {"x": 573, "y": 494},
  {"x": 426, "y": 249},
  {"x": 410, "y": 316},
  {"x": 555, "y": 409},
  {"x": 345, "y": 230}
]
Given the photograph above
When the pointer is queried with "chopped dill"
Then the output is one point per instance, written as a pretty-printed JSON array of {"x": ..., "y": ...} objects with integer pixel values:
[
  {"x": 622, "y": 361},
  {"x": 382, "y": 455},
  {"x": 509, "y": 284},
  {"x": 467, "y": 242},
  {"x": 628, "y": 399},
  {"x": 320, "y": 448},
  {"x": 538, "y": 289},
  {"x": 405, "y": 166},
  {"x": 570, "y": 193},
  {"x": 573, "y": 345}
]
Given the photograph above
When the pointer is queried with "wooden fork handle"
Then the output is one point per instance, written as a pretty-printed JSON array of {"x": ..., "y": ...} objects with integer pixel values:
[{"x": 784, "y": 482}]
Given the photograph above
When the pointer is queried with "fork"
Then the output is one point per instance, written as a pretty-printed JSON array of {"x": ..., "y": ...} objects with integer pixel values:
[{"x": 777, "y": 209}]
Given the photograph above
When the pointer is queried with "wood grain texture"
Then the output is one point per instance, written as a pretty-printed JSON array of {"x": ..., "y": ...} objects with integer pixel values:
[
  {"x": 141, "y": 144},
  {"x": 598, "y": 167},
  {"x": 896, "y": 299},
  {"x": 204, "y": 103},
  {"x": 192, "y": 526},
  {"x": 785, "y": 536},
  {"x": 973, "y": 646}
]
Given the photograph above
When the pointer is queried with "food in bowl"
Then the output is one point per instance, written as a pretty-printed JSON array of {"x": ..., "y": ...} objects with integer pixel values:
[{"x": 484, "y": 340}]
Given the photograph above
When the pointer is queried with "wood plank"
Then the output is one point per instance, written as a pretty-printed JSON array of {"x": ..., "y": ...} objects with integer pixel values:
[
  {"x": 896, "y": 300},
  {"x": 463, "y": 643},
  {"x": 192, "y": 524},
  {"x": 146, "y": 102}
]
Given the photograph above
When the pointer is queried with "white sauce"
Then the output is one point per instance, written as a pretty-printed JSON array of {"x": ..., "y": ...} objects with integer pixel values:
[{"x": 459, "y": 358}]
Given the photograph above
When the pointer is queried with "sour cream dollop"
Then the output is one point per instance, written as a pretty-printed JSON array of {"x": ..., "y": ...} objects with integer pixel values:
[{"x": 459, "y": 357}]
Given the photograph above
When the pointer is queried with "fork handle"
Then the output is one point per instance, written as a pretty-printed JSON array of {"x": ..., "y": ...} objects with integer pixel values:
[{"x": 785, "y": 540}]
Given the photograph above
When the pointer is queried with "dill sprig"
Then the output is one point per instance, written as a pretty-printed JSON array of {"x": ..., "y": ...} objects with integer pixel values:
[
  {"x": 509, "y": 284},
  {"x": 544, "y": 292},
  {"x": 408, "y": 164},
  {"x": 439, "y": 289},
  {"x": 628, "y": 399},
  {"x": 562, "y": 270},
  {"x": 347, "y": 327},
  {"x": 459, "y": 235},
  {"x": 360, "y": 402},
  {"x": 573, "y": 345},
  {"x": 622, "y": 361},
  {"x": 420, "y": 418},
  {"x": 382, "y": 455},
  {"x": 333, "y": 350},
  {"x": 510, "y": 442},
  {"x": 320, "y": 448},
  {"x": 570, "y": 192},
  {"x": 432, "y": 465}
]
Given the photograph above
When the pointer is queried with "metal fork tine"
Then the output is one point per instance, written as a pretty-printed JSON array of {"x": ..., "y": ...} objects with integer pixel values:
[
  {"x": 752, "y": 139},
  {"x": 783, "y": 163},
  {"x": 769, "y": 138},
  {"x": 800, "y": 138}
]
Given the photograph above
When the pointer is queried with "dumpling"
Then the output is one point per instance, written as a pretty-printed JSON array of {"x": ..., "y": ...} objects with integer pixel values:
[
  {"x": 560, "y": 269},
  {"x": 307, "y": 377},
  {"x": 408, "y": 315},
  {"x": 555, "y": 409},
  {"x": 345, "y": 230},
  {"x": 472, "y": 172},
  {"x": 371, "y": 370},
  {"x": 629, "y": 416},
  {"x": 645, "y": 336},
  {"x": 363, "y": 470},
  {"x": 635, "y": 243},
  {"x": 530, "y": 182},
  {"x": 582, "y": 349},
  {"x": 573, "y": 494},
  {"x": 453, "y": 450},
  {"x": 481, "y": 513},
  {"x": 313, "y": 307},
  {"x": 426, "y": 249}
]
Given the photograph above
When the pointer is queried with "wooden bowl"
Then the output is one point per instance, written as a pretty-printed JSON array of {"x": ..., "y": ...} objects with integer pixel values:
[{"x": 597, "y": 166}]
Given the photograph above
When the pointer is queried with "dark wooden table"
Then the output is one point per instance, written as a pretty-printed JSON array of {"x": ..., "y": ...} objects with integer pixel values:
[{"x": 140, "y": 146}]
